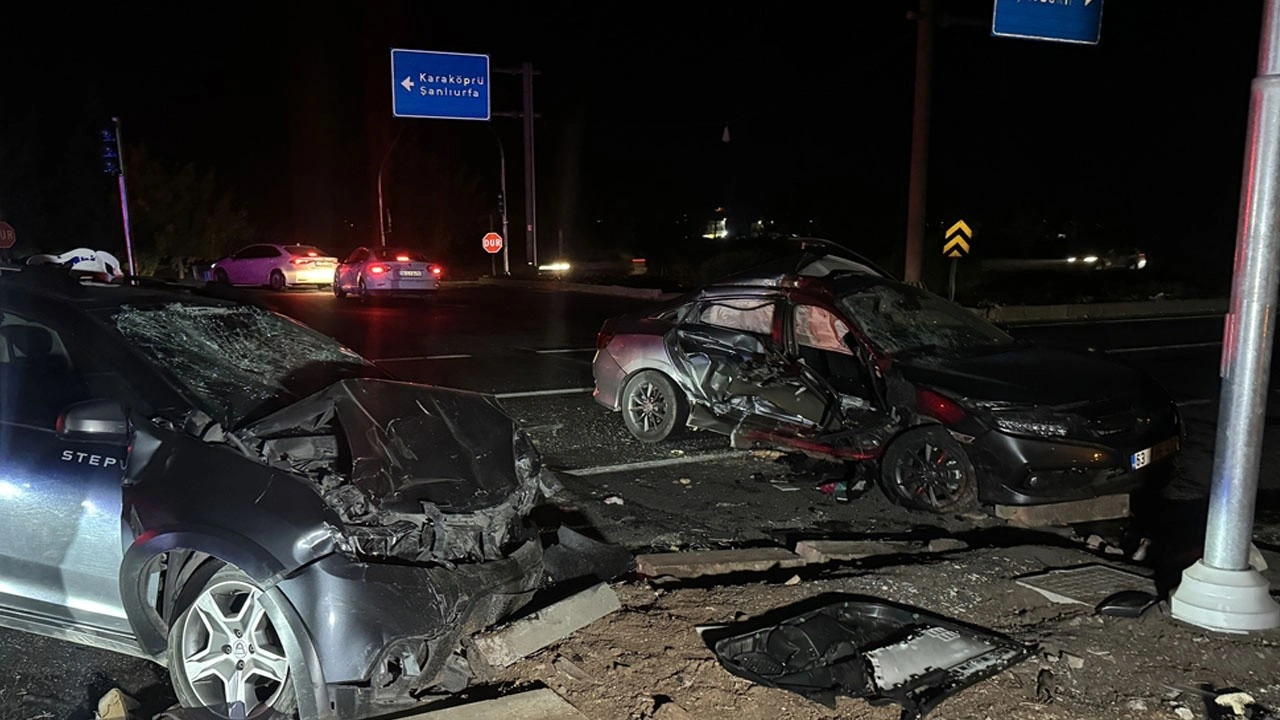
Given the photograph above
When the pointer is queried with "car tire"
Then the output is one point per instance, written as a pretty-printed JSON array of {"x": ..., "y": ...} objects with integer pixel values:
[
  {"x": 927, "y": 469},
  {"x": 653, "y": 408},
  {"x": 338, "y": 292},
  {"x": 276, "y": 280},
  {"x": 220, "y": 276},
  {"x": 224, "y": 632},
  {"x": 362, "y": 292}
]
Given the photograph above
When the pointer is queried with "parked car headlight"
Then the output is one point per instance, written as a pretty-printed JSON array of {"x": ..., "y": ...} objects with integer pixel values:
[{"x": 1037, "y": 424}]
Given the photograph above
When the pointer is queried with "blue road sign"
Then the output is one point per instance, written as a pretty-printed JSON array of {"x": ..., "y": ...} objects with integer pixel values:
[
  {"x": 1073, "y": 21},
  {"x": 449, "y": 86}
]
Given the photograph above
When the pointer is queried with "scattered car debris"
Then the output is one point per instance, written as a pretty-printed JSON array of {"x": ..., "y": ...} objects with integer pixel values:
[
  {"x": 1085, "y": 584},
  {"x": 1237, "y": 702},
  {"x": 1045, "y": 688},
  {"x": 685, "y": 481},
  {"x": 1183, "y": 712},
  {"x": 1126, "y": 603},
  {"x": 577, "y": 556},
  {"x": 613, "y": 500},
  {"x": 1075, "y": 662},
  {"x": 867, "y": 648},
  {"x": 793, "y": 580},
  {"x": 571, "y": 669},
  {"x": 115, "y": 705}
]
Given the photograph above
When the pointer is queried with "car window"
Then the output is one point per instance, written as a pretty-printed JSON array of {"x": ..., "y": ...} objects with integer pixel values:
[
  {"x": 37, "y": 377},
  {"x": 303, "y": 250},
  {"x": 357, "y": 256},
  {"x": 246, "y": 253},
  {"x": 267, "y": 251},
  {"x": 821, "y": 329},
  {"x": 671, "y": 315},
  {"x": 397, "y": 253},
  {"x": 745, "y": 314},
  {"x": 901, "y": 319}
]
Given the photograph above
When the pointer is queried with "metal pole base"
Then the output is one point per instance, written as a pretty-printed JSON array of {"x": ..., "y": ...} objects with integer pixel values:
[{"x": 1234, "y": 601}]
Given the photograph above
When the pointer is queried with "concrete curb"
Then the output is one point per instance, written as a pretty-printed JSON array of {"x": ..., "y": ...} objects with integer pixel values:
[
  {"x": 561, "y": 286},
  {"x": 1016, "y": 314},
  {"x": 507, "y": 645},
  {"x": 541, "y": 704}
]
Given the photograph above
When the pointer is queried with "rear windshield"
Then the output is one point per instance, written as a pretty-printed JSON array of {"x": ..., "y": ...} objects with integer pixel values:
[
  {"x": 305, "y": 251},
  {"x": 400, "y": 254}
]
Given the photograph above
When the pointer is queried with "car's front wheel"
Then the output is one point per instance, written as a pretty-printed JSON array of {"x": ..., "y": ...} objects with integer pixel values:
[
  {"x": 927, "y": 469},
  {"x": 653, "y": 407},
  {"x": 225, "y": 655},
  {"x": 221, "y": 276}
]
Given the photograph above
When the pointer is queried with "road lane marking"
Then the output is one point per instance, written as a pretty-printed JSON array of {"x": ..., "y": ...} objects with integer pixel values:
[
  {"x": 558, "y": 351},
  {"x": 419, "y": 358},
  {"x": 542, "y": 393},
  {"x": 650, "y": 464},
  {"x": 1179, "y": 346},
  {"x": 1190, "y": 403}
]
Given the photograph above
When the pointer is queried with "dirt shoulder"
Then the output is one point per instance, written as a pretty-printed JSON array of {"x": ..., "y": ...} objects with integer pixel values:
[{"x": 647, "y": 660}]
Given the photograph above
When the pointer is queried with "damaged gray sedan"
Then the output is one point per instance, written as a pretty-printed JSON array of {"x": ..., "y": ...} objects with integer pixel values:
[{"x": 226, "y": 492}]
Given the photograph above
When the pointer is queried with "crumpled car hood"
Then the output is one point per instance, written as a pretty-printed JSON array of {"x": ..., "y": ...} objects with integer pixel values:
[
  {"x": 406, "y": 444},
  {"x": 1032, "y": 375}
]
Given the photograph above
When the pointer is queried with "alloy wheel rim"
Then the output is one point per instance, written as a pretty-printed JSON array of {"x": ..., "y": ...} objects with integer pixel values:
[
  {"x": 231, "y": 654},
  {"x": 648, "y": 407},
  {"x": 931, "y": 474}
]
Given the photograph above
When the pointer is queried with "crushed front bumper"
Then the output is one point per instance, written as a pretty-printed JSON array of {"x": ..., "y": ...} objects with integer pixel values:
[
  {"x": 1017, "y": 470},
  {"x": 385, "y": 634}
]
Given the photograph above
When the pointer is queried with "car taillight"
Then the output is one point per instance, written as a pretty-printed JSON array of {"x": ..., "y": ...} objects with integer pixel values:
[
  {"x": 402, "y": 258},
  {"x": 603, "y": 337},
  {"x": 377, "y": 269},
  {"x": 938, "y": 407},
  {"x": 437, "y": 270},
  {"x": 301, "y": 261}
]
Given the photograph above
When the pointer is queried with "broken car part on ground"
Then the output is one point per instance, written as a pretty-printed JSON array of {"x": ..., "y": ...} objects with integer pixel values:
[{"x": 867, "y": 648}]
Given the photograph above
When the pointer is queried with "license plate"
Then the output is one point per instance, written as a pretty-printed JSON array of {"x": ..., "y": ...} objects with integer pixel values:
[
  {"x": 1143, "y": 458},
  {"x": 410, "y": 273}
]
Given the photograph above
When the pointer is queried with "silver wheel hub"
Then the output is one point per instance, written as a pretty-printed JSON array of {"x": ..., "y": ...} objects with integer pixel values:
[
  {"x": 648, "y": 407},
  {"x": 231, "y": 655}
]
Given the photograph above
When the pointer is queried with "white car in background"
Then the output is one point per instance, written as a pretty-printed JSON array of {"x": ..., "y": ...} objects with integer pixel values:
[
  {"x": 277, "y": 266},
  {"x": 370, "y": 272}
]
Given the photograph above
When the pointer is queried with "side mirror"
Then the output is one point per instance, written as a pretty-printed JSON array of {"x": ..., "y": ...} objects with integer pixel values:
[{"x": 94, "y": 420}]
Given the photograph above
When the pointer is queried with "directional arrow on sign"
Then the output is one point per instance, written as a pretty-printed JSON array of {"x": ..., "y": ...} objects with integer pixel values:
[
  {"x": 406, "y": 83},
  {"x": 957, "y": 240}
]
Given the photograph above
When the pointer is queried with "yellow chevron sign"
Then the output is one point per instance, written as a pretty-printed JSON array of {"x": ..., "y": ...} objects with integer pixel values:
[{"x": 957, "y": 240}]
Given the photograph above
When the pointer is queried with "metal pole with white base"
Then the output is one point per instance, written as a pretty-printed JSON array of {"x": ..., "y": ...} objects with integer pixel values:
[{"x": 1221, "y": 591}]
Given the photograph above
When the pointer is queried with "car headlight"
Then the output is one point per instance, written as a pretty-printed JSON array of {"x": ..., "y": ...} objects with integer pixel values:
[{"x": 1035, "y": 424}]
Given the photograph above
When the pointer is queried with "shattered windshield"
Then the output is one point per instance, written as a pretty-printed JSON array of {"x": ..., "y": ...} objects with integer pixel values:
[
  {"x": 900, "y": 319},
  {"x": 239, "y": 362}
]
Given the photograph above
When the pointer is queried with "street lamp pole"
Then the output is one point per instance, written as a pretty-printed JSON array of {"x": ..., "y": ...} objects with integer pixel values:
[
  {"x": 383, "y": 225},
  {"x": 1222, "y": 591}
]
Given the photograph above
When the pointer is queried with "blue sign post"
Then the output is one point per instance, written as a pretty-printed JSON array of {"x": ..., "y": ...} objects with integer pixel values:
[
  {"x": 1073, "y": 21},
  {"x": 441, "y": 85}
]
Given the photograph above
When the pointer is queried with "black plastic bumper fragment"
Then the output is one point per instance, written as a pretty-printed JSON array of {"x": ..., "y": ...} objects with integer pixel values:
[{"x": 866, "y": 648}]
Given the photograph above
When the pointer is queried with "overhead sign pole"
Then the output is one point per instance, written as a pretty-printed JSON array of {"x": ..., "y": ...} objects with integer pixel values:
[
  {"x": 113, "y": 160},
  {"x": 1221, "y": 591}
]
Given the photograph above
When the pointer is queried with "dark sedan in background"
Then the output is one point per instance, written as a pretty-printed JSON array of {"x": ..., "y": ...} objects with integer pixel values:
[{"x": 831, "y": 358}]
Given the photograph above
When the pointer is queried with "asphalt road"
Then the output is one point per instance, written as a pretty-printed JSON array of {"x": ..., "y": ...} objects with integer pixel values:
[{"x": 534, "y": 348}]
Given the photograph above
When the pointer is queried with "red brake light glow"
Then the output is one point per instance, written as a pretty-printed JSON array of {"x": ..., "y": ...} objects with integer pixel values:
[
  {"x": 436, "y": 270},
  {"x": 402, "y": 258},
  {"x": 938, "y": 407},
  {"x": 312, "y": 253},
  {"x": 377, "y": 269}
]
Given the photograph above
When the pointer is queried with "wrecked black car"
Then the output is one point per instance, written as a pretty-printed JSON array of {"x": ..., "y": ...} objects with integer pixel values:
[
  {"x": 233, "y": 495},
  {"x": 831, "y": 358}
]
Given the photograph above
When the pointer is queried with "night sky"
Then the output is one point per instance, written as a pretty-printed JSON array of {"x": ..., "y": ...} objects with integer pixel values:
[{"x": 1137, "y": 141}]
